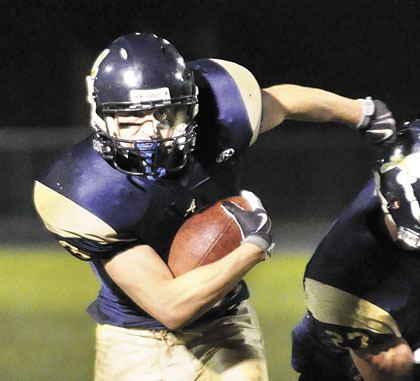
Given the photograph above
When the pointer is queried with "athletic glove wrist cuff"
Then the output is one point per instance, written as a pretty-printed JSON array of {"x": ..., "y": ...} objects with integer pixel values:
[
  {"x": 264, "y": 244},
  {"x": 368, "y": 109}
]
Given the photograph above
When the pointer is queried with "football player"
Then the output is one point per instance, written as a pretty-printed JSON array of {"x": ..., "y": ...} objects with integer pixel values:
[
  {"x": 167, "y": 142},
  {"x": 362, "y": 284}
]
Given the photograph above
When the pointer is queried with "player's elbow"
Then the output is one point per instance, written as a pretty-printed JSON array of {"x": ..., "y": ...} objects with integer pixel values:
[
  {"x": 173, "y": 320},
  {"x": 174, "y": 315},
  {"x": 169, "y": 322}
]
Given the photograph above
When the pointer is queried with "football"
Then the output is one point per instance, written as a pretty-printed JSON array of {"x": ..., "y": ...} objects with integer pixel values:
[{"x": 205, "y": 237}]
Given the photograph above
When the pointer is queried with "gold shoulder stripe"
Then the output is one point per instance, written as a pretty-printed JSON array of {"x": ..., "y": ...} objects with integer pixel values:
[
  {"x": 331, "y": 305},
  {"x": 64, "y": 217},
  {"x": 250, "y": 92}
]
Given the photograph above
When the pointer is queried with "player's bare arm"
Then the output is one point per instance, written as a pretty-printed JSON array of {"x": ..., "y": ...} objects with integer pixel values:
[
  {"x": 390, "y": 361},
  {"x": 308, "y": 104},
  {"x": 147, "y": 280}
]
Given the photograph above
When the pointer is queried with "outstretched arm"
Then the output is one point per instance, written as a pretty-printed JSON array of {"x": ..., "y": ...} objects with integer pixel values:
[
  {"x": 307, "y": 104},
  {"x": 294, "y": 102}
]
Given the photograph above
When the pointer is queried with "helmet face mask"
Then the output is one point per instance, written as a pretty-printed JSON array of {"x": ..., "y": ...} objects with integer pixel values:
[
  {"x": 137, "y": 75},
  {"x": 153, "y": 158},
  {"x": 401, "y": 206},
  {"x": 408, "y": 239},
  {"x": 398, "y": 187}
]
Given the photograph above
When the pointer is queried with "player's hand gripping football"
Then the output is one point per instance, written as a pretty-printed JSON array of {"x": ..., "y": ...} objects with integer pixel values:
[
  {"x": 376, "y": 123},
  {"x": 255, "y": 225}
]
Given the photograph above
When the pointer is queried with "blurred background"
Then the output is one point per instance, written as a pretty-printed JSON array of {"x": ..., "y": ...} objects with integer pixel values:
[{"x": 304, "y": 173}]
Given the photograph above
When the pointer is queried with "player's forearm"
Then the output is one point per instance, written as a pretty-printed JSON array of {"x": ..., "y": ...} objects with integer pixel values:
[
  {"x": 145, "y": 278},
  {"x": 308, "y": 104},
  {"x": 196, "y": 291}
]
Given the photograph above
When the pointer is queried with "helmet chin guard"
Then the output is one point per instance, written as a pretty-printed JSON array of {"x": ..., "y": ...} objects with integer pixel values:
[
  {"x": 153, "y": 158},
  {"x": 141, "y": 72}
]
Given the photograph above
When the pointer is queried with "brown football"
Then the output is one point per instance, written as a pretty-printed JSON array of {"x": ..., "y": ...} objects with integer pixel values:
[{"x": 205, "y": 237}]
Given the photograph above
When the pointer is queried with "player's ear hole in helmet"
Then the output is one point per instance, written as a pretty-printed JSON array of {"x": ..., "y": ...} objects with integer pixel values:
[
  {"x": 398, "y": 187},
  {"x": 141, "y": 75}
]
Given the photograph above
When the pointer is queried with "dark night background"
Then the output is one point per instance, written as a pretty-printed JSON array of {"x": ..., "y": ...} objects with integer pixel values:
[{"x": 303, "y": 172}]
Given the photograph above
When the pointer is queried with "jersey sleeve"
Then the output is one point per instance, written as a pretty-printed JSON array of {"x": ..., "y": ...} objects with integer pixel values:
[
  {"x": 79, "y": 231},
  {"x": 250, "y": 93},
  {"x": 346, "y": 320},
  {"x": 230, "y": 108}
]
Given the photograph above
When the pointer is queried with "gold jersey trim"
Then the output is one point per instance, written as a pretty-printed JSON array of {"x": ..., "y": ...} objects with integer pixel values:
[
  {"x": 250, "y": 92},
  {"x": 331, "y": 305},
  {"x": 67, "y": 219}
]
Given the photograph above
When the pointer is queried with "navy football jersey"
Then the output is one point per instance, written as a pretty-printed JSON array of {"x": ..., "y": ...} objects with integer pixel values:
[
  {"x": 360, "y": 287},
  {"x": 95, "y": 211}
]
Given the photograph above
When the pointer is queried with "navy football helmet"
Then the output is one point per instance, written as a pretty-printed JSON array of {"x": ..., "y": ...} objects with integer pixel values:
[
  {"x": 142, "y": 73},
  {"x": 398, "y": 184}
]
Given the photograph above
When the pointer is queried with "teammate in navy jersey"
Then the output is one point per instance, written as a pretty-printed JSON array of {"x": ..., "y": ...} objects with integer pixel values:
[
  {"x": 362, "y": 284},
  {"x": 168, "y": 139}
]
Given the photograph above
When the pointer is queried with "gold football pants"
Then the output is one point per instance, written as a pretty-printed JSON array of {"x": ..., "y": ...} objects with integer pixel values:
[{"x": 226, "y": 349}]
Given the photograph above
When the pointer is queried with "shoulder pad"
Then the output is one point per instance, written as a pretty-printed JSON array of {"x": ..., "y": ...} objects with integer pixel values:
[
  {"x": 79, "y": 231},
  {"x": 230, "y": 106}
]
